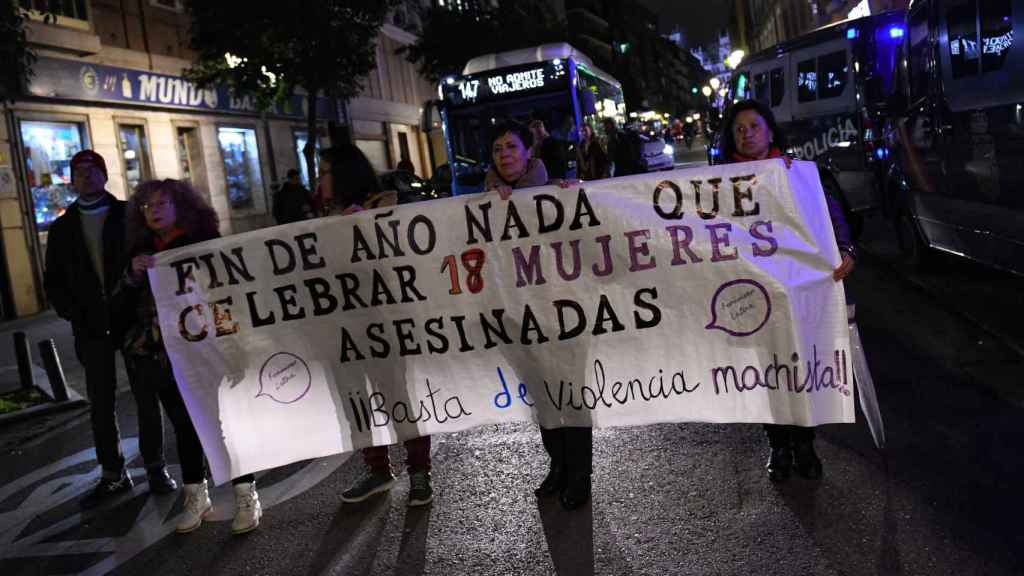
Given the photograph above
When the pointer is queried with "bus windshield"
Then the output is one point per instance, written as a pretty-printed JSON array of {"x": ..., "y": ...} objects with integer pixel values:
[{"x": 562, "y": 92}]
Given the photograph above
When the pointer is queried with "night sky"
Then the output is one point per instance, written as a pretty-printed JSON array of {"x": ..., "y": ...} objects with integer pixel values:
[{"x": 700, "y": 20}]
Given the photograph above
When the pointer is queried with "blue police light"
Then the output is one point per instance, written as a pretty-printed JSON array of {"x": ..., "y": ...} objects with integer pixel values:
[
  {"x": 896, "y": 32},
  {"x": 714, "y": 150},
  {"x": 852, "y": 33},
  {"x": 881, "y": 153}
]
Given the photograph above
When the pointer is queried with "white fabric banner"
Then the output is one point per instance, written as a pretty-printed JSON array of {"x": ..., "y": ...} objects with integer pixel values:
[{"x": 694, "y": 295}]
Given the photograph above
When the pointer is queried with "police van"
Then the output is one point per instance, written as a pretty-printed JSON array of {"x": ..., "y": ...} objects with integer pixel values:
[
  {"x": 829, "y": 90},
  {"x": 956, "y": 180}
]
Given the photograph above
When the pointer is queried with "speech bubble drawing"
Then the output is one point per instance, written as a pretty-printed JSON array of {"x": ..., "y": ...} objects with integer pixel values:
[
  {"x": 740, "y": 308},
  {"x": 284, "y": 378}
]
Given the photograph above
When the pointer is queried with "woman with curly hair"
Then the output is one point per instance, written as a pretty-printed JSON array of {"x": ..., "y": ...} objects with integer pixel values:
[{"x": 161, "y": 215}]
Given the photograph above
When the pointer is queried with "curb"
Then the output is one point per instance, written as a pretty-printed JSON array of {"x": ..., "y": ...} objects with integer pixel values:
[
  {"x": 42, "y": 410},
  {"x": 75, "y": 400}
]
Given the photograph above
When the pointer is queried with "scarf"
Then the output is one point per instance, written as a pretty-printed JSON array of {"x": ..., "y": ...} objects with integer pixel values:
[
  {"x": 161, "y": 243},
  {"x": 772, "y": 153}
]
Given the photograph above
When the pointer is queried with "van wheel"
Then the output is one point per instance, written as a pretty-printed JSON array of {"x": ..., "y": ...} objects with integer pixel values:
[{"x": 914, "y": 252}]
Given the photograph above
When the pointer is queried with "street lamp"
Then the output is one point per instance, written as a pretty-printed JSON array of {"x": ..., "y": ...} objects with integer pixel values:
[
  {"x": 715, "y": 82},
  {"x": 706, "y": 91},
  {"x": 734, "y": 59},
  {"x": 723, "y": 92},
  {"x": 696, "y": 116}
]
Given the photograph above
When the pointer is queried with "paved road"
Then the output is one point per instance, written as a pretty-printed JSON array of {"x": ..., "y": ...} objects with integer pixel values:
[
  {"x": 943, "y": 498},
  {"x": 671, "y": 499}
]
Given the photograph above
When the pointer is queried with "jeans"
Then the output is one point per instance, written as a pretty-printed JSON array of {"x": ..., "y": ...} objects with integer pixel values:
[
  {"x": 155, "y": 382},
  {"x": 378, "y": 460},
  {"x": 97, "y": 356}
]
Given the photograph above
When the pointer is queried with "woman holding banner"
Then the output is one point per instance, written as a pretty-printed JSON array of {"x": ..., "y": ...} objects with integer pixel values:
[
  {"x": 570, "y": 448},
  {"x": 350, "y": 185},
  {"x": 161, "y": 215},
  {"x": 750, "y": 133}
]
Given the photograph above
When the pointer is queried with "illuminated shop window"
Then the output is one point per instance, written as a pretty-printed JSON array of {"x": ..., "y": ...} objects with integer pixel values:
[{"x": 241, "y": 164}]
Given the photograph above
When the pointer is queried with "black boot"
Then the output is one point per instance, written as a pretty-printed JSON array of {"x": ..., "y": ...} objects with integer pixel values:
[
  {"x": 554, "y": 444},
  {"x": 553, "y": 483},
  {"x": 160, "y": 482},
  {"x": 808, "y": 464},
  {"x": 779, "y": 463},
  {"x": 576, "y": 493},
  {"x": 579, "y": 455}
]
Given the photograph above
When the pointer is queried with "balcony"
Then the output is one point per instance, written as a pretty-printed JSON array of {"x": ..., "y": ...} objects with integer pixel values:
[{"x": 65, "y": 39}]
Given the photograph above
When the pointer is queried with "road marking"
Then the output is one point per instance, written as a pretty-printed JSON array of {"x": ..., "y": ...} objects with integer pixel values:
[{"x": 51, "y": 489}]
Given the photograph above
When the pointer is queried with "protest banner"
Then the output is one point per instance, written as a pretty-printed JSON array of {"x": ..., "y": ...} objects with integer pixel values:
[{"x": 694, "y": 295}]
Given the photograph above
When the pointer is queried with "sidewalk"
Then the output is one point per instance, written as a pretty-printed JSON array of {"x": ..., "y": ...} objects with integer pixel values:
[{"x": 38, "y": 328}]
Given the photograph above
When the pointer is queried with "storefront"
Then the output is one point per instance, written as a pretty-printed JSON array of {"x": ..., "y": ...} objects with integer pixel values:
[{"x": 145, "y": 125}]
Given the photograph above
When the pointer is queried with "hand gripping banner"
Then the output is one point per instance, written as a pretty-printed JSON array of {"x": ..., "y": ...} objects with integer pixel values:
[{"x": 700, "y": 295}]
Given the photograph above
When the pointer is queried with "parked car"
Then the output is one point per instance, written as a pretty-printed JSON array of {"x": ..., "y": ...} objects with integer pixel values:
[
  {"x": 655, "y": 154},
  {"x": 410, "y": 187},
  {"x": 469, "y": 176}
]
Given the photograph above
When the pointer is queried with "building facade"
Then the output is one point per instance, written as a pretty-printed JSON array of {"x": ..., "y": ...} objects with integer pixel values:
[
  {"x": 385, "y": 120},
  {"x": 109, "y": 78},
  {"x": 621, "y": 37}
]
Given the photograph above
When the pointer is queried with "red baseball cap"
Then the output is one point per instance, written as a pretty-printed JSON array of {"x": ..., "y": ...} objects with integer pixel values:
[{"x": 90, "y": 157}]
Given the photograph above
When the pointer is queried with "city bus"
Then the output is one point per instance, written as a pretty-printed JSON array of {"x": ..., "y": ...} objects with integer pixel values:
[
  {"x": 829, "y": 91},
  {"x": 553, "y": 82},
  {"x": 956, "y": 180}
]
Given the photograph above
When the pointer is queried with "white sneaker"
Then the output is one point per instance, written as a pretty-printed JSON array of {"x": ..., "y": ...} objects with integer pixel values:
[
  {"x": 247, "y": 508},
  {"x": 197, "y": 506}
]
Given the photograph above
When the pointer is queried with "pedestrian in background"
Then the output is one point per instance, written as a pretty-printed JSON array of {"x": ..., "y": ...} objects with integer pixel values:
[
  {"x": 351, "y": 185},
  {"x": 84, "y": 258},
  {"x": 293, "y": 202},
  {"x": 405, "y": 165},
  {"x": 750, "y": 133},
  {"x": 163, "y": 215},
  {"x": 592, "y": 160},
  {"x": 569, "y": 448},
  {"x": 623, "y": 151},
  {"x": 549, "y": 150}
]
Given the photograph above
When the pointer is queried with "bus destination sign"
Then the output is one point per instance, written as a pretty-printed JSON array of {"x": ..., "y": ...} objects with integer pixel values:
[{"x": 508, "y": 82}]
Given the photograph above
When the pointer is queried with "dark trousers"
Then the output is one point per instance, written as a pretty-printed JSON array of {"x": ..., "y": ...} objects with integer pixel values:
[
  {"x": 155, "y": 383},
  {"x": 97, "y": 356},
  {"x": 378, "y": 460},
  {"x": 571, "y": 449},
  {"x": 781, "y": 435}
]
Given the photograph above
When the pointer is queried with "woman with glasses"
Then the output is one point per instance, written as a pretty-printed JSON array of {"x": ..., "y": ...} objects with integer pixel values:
[{"x": 161, "y": 215}]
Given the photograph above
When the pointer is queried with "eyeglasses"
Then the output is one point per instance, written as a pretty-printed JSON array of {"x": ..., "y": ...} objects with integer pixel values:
[{"x": 151, "y": 206}]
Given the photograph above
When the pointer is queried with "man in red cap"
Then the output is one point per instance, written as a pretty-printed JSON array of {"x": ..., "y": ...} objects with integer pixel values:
[{"x": 84, "y": 260}]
